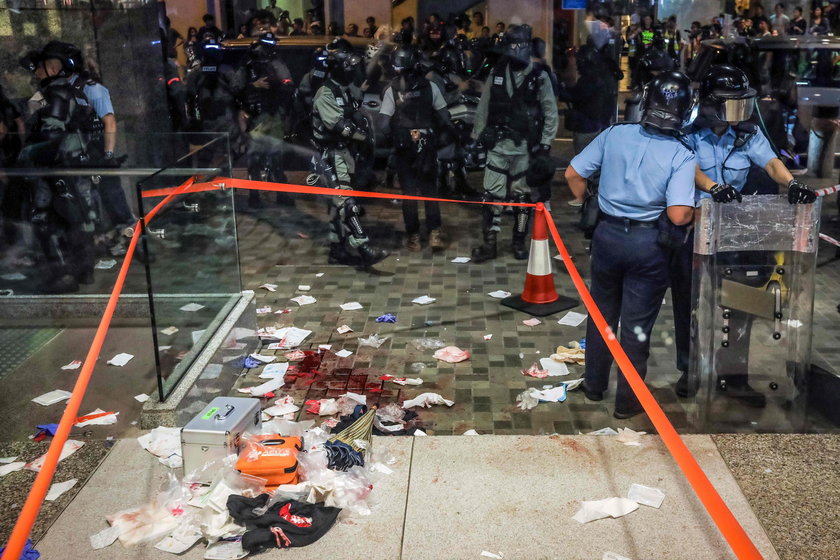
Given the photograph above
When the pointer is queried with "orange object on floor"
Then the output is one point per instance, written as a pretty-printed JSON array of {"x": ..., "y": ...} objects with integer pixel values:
[{"x": 272, "y": 457}]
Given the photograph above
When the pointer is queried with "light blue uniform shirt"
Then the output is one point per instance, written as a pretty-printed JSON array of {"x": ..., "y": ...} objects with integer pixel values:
[
  {"x": 642, "y": 173},
  {"x": 711, "y": 151},
  {"x": 99, "y": 97}
]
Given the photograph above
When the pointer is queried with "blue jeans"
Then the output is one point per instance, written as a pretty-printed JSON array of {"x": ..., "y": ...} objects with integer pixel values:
[{"x": 629, "y": 279}]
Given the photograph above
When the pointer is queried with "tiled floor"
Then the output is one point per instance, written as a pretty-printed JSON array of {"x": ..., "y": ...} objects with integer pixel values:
[{"x": 287, "y": 247}]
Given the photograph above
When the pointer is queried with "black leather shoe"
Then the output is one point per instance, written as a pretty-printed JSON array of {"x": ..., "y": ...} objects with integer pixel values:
[
  {"x": 483, "y": 253},
  {"x": 686, "y": 389},
  {"x": 589, "y": 393},
  {"x": 339, "y": 255},
  {"x": 744, "y": 393},
  {"x": 370, "y": 256},
  {"x": 625, "y": 414}
]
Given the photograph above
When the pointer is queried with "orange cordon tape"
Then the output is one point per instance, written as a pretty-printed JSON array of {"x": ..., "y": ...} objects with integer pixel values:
[
  {"x": 730, "y": 528},
  {"x": 829, "y": 240},
  {"x": 29, "y": 513},
  {"x": 727, "y": 524}
]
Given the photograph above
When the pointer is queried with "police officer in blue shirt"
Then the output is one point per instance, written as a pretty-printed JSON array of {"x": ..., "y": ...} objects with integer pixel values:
[
  {"x": 726, "y": 146},
  {"x": 646, "y": 193}
]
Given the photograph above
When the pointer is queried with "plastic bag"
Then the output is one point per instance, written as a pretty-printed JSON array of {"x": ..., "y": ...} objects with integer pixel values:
[
  {"x": 428, "y": 343},
  {"x": 155, "y": 520}
]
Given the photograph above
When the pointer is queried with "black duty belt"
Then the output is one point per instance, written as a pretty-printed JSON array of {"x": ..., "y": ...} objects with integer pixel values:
[{"x": 627, "y": 222}]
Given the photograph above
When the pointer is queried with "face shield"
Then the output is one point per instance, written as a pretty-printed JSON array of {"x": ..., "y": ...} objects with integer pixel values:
[
  {"x": 519, "y": 51},
  {"x": 736, "y": 110}
]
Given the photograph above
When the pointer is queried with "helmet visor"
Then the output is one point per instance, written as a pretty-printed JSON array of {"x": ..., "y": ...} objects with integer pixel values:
[{"x": 737, "y": 110}]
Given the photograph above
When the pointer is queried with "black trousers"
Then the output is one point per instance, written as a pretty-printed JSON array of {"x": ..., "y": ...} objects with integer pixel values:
[{"x": 415, "y": 180}]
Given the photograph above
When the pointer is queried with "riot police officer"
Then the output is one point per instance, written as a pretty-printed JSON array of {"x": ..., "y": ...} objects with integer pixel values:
[
  {"x": 266, "y": 89},
  {"x": 414, "y": 112},
  {"x": 646, "y": 192},
  {"x": 655, "y": 61},
  {"x": 63, "y": 130},
  {"x": 211, "y": 99},
  {"x": 516, "y": 97},
  {"x": 447, "y": 73},
  {"x": 726, "y": 145},
  {"x": 337, "y": 123}
]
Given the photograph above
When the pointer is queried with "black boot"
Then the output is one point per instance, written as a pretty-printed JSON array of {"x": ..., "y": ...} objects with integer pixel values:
[
  {"x": 521, "y": 217},
  {"x": 339, "y": 255},
  {"x": 736, "y": 387},
  {"x": 687, "y": 387},
  {"x": 372, "y": 255},
  {"x": 487, "y": 250}
]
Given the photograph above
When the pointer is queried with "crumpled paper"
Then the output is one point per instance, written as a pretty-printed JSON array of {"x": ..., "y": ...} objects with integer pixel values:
[
  {"x": 646, "y": 495},
  {"x": 629, "y": 437},
  {"x": 426, "y": 400},
  {"x": 600, "y": 509},
  {"x": 59, "y": 488},
  {"x": 535, "y": 371},
  {"x": 165, "y": 444},
  {"x": 70, "y": 447},
  {"x": 373, "y": 340},
  {"x": 570, "y": 355},
  {"x": 304, "y": 300},
  {"x": 452, "y": 354}
]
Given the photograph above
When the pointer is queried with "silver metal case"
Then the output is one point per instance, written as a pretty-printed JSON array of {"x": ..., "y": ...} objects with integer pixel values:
[{"x": 216, "y": 431}]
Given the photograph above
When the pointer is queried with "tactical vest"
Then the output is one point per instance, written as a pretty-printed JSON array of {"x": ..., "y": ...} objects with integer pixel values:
[
  {"x": 212, "y": 96},
  {"x": 63, "y": 114},
  {"x": 519, "y": 112},
  {"x": 348, "y": 106},
  {"x": 413, "y": 107}
]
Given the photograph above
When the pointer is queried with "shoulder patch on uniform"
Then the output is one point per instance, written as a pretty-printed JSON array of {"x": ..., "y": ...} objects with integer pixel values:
[
  {"x": 498, "y": 80},
  {"x": 339, "y": 101}
]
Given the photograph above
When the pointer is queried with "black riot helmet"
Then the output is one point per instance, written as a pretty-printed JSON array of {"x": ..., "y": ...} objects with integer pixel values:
[
  {"x": 517, "y": 45},
  {"x": 342, "y": 62},
  {"x": 211, "y": 56},
  {"x": 405, "y": 60},
  {"x": 725, "y": 94},
  {"x": 265, "y": 46},
  {"x": 69, "y": 55},
  {"x": 30, "y": 60},
  {"x": 449, "y": 59},
  {"x": 654, "y": 62},
  {"x": 667, "y": 102}
]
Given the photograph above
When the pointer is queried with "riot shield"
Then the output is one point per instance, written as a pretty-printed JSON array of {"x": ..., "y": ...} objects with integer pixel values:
[{"x": 753, "y": 293}]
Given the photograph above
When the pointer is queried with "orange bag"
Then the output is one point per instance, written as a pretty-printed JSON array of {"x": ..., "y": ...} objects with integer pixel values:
[{"x": 272, "y": 457}]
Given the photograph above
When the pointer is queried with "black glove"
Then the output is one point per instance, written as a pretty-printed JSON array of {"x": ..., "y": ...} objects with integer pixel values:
[
  {"x": 799, "y": 193},
  {"x": 724, "y": 193}
]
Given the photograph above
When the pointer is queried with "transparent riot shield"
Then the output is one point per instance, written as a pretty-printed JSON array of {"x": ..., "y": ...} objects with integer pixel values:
[{"x": 753, "y": 292}]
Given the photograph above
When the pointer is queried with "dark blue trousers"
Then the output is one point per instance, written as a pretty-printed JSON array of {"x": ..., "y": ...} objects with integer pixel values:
[{"x": 629, "y": 278}]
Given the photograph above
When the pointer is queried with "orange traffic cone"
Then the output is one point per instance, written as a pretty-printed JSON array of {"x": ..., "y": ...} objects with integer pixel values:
[{"x": 540, "y": 297}]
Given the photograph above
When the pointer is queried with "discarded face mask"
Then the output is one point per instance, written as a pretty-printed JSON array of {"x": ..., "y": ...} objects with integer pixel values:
[{"x": 452, "y": 354}]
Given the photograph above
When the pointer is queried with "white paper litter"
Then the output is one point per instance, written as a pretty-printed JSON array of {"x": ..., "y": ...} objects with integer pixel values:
[
  {"x": 272, "y": 371},
  {"x": 52, "y": 397},
  {"x": 613, "y": 556},
  {"x": 426, "y": 400},
  {"x": 361, "y": 399},
  {"x": 75, "y": 364},
  {"x": 600, "y": 509},
  {"x": 120, "y": 359},
  {"x": 423, "y": 300},
  {"x": 142, "y": 397},
  {"x": 13, "y": 276},
  {"x": 59, "y": 488},
  {"x": 532, "y": 322},
  {"x": 181, "y": 540},
  {"x": 629, "y": 437},
  {"x": 165, "y": 444},
  {"x": 7, "y": 460},
  {"x": 487, "y": 554},
  {"x": 325, "y": 347},
  {"x": 263, "y": 358},
  {"x": 351, "y": 306},
  {"x": 168, "y": 331},
  {"x": 304, "y": 300},
  {"x": 373, "y": 340},
  {"x": 603, "y": 432},
  {"x": 11, "y": 467},
  {"x": 105, "y": 537},
  {"x": 554, "y": 394},
  {"x": 499, "y": 294},
  {"x": 105, "y": 264},
  {"x": 267, "y": 387},
  {"x": 304, "y": 288},
  {"x": 344, "y": 353},
  {"x": 192, "y": 307},
  {"x": 419, "y": 432},
  {"x": 225, "y": 550},
  {"x": 281, "y": 408},
  {"x": 488, "y": 336},
  {"x": 343, "y": 329},
  {"x": 269, "y": 287},
  {"x": 460, "y": 260},
  {"x": 106, "y": 420},
  {"x": 407, "y": 381},
  {"x": 573, "y": 384},
  {"x": 291, "y": 337},
  {"x": 553, "y": 368},
  {"x": 471, "y": 433},
  {"x": 572, "y": 319},
  {"x": 319, "y": 274},
  {"x": 264, "y": 310},
  {"x": 70, "y": 447},
  {"x": 646, "y": 495}
]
